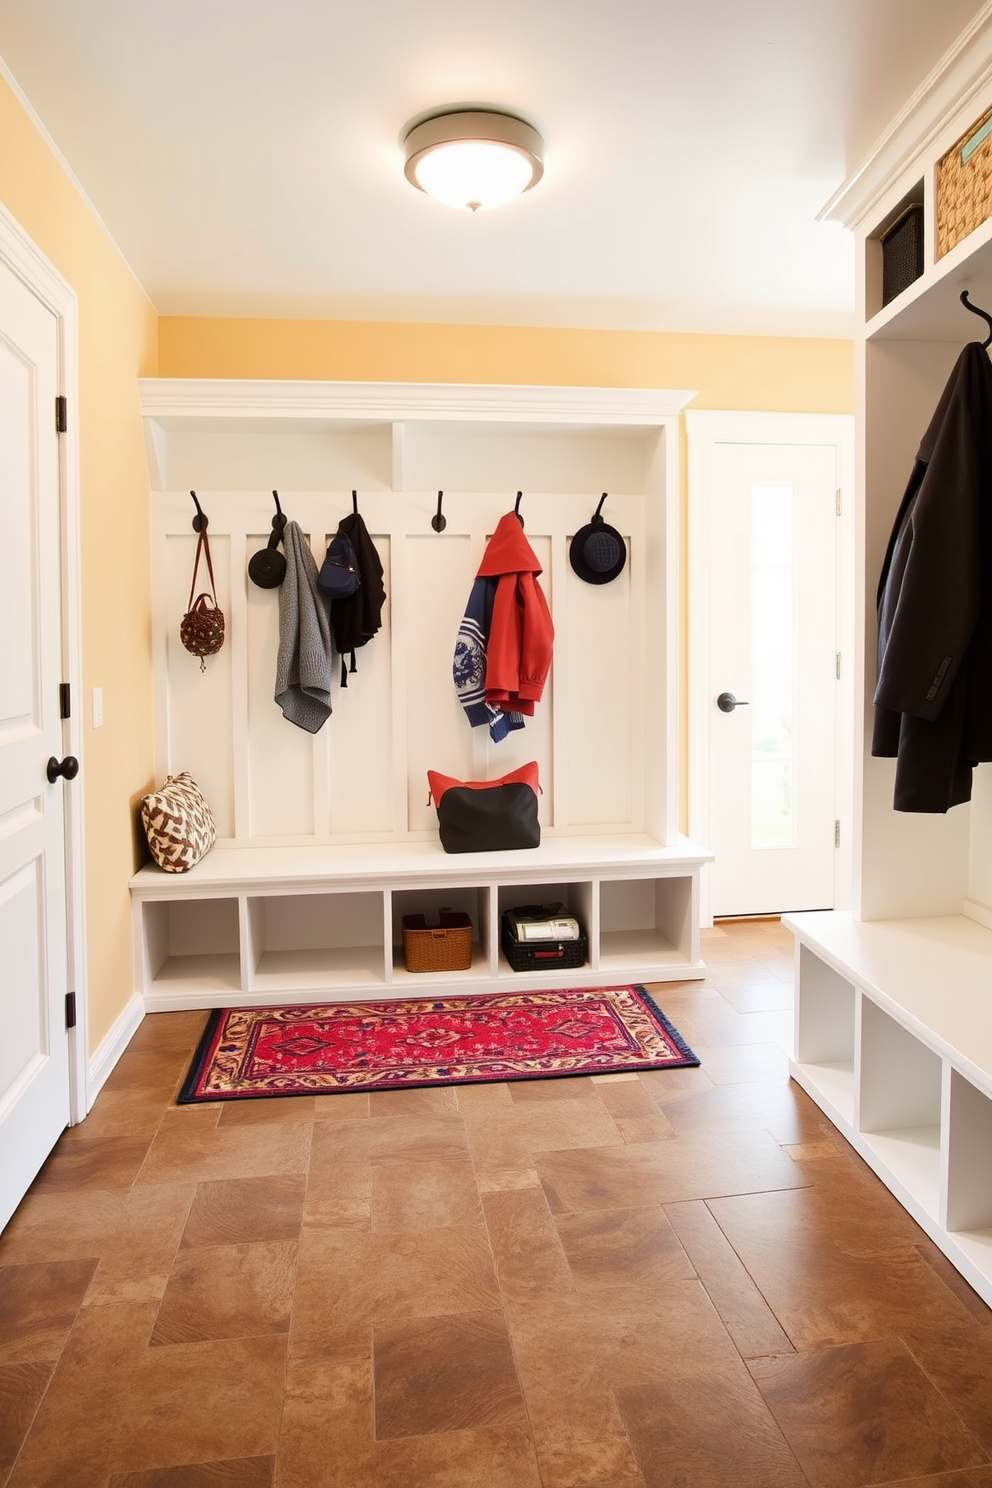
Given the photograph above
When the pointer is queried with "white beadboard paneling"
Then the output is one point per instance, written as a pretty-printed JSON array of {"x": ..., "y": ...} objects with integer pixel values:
[
  {"x": 362, "y": 778},
  {"x": 599, "y": 690},
  {"x": 480, "y": 459},
  {"x": 200, "y": 731},
  {"x": 328, "y": 459}
]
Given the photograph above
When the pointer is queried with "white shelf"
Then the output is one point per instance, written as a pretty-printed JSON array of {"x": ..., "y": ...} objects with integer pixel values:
[
  {"x": 327, "y": 923},
  {"x": 317, "y": 969},
  {"x": 916, "y": 1098},
  {"x": 934, "y": 976},
  {"x": 911, "y": 1157},
  {"x": 831, "y": 1086},
  {"x": 209, "y": 973},
  {"x": 414, "y": 982},
  {"x": 645, "y": 948}
]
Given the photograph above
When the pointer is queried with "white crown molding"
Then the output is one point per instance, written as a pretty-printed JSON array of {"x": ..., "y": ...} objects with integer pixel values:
[
  {"x": 949, "y": 88},
  {"x": 165, "y": 400}
]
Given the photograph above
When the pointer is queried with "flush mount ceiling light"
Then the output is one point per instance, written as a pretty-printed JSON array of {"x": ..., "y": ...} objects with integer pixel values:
[{"x": 474, "y": 159}]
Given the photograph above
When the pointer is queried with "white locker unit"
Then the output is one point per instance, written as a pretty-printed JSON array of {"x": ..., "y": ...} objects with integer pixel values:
[
  {"x": 326, "y": 840},
  {"x": 894, "y": 999}
]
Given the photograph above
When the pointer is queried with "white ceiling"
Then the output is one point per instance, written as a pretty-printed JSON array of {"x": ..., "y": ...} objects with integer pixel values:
[{"x": 245, "y": 154}]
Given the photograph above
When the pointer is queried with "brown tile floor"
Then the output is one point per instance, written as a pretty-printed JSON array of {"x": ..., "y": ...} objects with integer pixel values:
[{"x": 677, "y": 1278}]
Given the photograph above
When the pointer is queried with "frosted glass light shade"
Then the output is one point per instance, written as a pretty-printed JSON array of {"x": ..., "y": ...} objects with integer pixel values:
[{"x": 473, "y": 160}]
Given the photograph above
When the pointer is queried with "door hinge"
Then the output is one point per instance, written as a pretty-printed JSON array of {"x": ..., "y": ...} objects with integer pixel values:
[
  {"x": 61, "y": 414},
  {"x": 838, "y": 666},
  {"x": 70, "y": 1010},
  {"x": 65, "y": 700},
  {"x": 836, "y": 834},
  {"x": 840, "y": 502}
]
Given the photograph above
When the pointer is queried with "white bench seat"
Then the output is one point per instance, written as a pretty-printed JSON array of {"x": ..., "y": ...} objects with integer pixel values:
[{"x": 248, "y": 926}]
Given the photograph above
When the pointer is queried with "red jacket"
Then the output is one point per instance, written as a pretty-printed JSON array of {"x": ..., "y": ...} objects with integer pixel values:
[{"x": 519, "y": 644}]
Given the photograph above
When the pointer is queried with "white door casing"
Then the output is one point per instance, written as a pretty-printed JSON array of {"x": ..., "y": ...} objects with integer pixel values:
[
  {"x": 42, "y": 1066},
  {"x": 800, "y": 466}
]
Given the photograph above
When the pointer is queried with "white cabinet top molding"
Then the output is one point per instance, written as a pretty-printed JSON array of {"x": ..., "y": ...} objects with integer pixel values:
[
  {"x": 168, "y": 400},
  {"x": 949, "y": 91}
]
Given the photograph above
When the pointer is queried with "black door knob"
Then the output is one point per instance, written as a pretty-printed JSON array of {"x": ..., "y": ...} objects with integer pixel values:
[
  {"x": 726, "y": 702},
  {"x": 67, "y": 768}
]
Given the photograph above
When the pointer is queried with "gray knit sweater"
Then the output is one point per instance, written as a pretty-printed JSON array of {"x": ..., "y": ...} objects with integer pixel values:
[{"x": 303, "y": 664}]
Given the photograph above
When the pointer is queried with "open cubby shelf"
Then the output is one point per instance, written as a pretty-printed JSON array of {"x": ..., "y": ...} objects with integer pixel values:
[
  {"x": 894, "y": 1043},
  {"x": 327, "y": 924}
]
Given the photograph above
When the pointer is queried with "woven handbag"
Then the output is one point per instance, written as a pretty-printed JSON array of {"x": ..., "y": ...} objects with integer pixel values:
[
  {"x": 201, "y": 629},
  {"x": 178, "y": 823}
]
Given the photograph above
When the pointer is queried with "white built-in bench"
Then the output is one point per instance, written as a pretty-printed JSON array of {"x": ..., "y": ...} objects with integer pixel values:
[
  {"x": 248, "y": 926},
  {"x": 894, "y": 1043}
]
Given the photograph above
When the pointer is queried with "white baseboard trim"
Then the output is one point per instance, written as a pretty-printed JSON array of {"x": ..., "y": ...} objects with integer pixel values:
[{"x": 105, "y": 1057}]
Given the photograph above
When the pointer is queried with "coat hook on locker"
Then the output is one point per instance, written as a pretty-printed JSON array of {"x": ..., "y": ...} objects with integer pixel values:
[
  {"x": 976, "y": 311},
  {"x": 201, "y": 521},
  {"x": 438, "y": 520}
]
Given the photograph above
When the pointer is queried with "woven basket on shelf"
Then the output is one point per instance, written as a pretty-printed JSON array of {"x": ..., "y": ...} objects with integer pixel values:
[
  {"x": 446, "y": 946},
  {"x": 964, "y": 185}
]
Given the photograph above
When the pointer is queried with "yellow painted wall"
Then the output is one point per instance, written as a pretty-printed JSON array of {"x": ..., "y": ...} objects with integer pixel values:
[
  {"x": 117, "y": 344},
  {"x": 781, "y": 374}
]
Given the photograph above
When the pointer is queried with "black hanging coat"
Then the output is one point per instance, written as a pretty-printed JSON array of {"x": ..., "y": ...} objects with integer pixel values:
[
  {"x": 933, "y": 701},
  {"x": 355, "y": 620}
]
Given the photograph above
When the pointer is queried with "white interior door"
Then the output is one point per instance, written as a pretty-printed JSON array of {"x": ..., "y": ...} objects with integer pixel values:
[
  {"x": 34, "y": 1050},
  {"x": 768, "y": 696}
]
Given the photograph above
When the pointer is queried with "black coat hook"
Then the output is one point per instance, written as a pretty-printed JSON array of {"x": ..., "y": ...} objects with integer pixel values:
[
  {"x": 596, "y": 514},
  {"x": 976, "y": 311},
  {"x": 516, "y": 507},
  {"x": 267, "y": 567},
  {"x": 201, "y": 521},
  {"x": 354, "y": 503},
  {"x": 438, "y": 521}
]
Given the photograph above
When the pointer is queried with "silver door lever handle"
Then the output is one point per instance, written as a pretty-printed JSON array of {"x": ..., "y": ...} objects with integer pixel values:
[{"x": 726, "y": 702}]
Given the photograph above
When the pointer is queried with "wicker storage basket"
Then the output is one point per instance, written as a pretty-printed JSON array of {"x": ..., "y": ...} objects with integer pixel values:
[
  {"x": 541, "y": 955},
  {"x": 964, "y": 185},
  {"x": 446, "y": 946}
]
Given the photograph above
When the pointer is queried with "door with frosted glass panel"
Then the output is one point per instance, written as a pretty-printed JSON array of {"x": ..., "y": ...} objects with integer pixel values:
[{"x": 773, "y": 677}]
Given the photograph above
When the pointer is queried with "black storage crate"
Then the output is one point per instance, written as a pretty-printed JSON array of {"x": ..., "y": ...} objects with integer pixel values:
[
  {"x": 541, "y": 955},
  {"x": 902, "y": 253}
]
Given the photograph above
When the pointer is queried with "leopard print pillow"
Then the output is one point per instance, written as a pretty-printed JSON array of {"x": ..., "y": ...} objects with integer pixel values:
[{"x": 178, "y": 823}]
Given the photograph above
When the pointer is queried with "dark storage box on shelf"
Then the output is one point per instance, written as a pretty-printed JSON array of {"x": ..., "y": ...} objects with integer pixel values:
[
  {"x": 902, "y": 252},
  {"x": 446, "y": 946},
  {"x": 539, "y": 955}
]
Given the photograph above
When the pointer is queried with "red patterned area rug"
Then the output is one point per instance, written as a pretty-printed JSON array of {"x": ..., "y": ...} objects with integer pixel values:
[{"x": 248, "y": 1052}]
